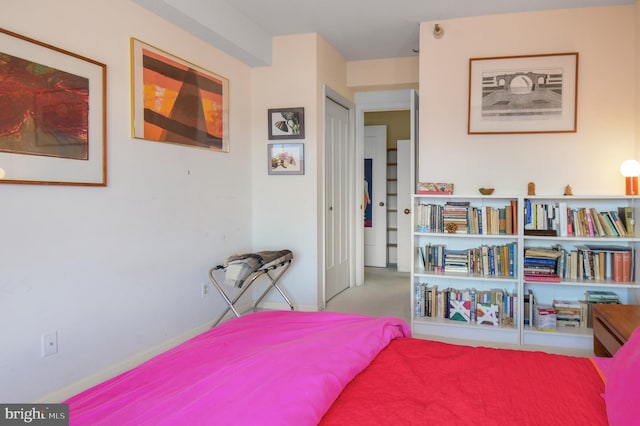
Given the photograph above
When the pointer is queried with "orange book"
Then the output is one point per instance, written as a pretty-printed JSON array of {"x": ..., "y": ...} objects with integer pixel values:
[
  {"x": 617, "y": 266},
  {"x": 626, "y": 266},
  {"x": 515, "y": 212}
]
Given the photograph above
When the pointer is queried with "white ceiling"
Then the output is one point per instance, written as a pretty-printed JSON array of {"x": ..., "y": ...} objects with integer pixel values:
[{"x": 358, "y": 29}]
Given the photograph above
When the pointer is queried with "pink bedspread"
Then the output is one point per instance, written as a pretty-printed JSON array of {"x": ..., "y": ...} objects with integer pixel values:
[{"x": 267, "y": 368}]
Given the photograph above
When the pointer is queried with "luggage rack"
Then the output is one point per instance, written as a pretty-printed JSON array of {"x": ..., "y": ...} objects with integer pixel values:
[{"x": 242, "y": 270}]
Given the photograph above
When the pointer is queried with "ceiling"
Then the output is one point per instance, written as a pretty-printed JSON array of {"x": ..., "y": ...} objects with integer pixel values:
[{"x": 358, "y": 29}]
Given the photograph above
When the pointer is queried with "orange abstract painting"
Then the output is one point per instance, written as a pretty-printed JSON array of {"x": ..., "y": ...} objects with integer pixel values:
[{"x": 178, "y": 102}]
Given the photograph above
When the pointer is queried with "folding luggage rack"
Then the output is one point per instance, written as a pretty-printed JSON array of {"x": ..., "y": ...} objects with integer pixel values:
[{"x": 242, "y": 270}]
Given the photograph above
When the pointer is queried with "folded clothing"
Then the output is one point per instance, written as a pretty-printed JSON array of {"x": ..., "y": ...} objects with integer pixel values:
[{"x": 239, "y": 267}]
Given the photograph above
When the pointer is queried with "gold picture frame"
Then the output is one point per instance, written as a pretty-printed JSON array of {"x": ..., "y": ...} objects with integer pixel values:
[{"x": 53, "y": 127}]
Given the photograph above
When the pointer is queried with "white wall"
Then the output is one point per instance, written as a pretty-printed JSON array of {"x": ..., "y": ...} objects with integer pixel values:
[
  {"x": 117, "y": 270},
  {"x": 587, "y": 160},
  {"x": 288, "y": 208}
]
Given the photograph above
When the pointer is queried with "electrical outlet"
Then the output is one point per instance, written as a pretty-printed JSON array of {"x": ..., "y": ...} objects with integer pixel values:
[
  {"x": 205, "y": 290},
  {"x": 49, "y": 344}
]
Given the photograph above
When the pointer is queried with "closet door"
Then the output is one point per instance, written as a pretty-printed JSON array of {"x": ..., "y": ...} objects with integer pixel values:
[{"x": 338, "y": 161}]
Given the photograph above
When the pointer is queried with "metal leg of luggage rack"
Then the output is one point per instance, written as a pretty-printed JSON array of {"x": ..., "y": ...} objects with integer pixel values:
[
  {"x": 230, "y": 302},
  {"x": 274, "y": 283}
]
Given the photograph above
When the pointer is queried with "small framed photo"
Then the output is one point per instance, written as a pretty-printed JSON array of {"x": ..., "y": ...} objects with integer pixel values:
[
  {"x": 285, "y": 158},
  {"x": 523, "y": 94},
  {"x": 286, "y": 123}
]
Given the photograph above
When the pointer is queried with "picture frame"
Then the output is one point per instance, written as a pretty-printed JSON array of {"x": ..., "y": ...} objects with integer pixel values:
[
  {"x": 53, "y": 127},
  {"x": 523, "y": 94},
  {"x": 175, "y": 101},
  {"x": 286, "y": 123},
  {"x": 285, "y": 158}
]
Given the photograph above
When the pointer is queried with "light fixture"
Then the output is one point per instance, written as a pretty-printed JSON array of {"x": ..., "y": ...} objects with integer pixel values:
[
  {"x": 1, "y": 173},
  {"x": 438, "y": 31},
  {"x": 630, "y": 169}
]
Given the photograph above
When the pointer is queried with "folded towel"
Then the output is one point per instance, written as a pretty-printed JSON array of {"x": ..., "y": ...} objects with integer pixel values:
[{"x": 239, "y": 267}]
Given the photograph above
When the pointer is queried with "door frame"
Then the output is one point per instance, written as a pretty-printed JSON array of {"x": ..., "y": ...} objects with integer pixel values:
[
  {"x": 333, "y": 96},
  {"x": 385, "y": 100}
]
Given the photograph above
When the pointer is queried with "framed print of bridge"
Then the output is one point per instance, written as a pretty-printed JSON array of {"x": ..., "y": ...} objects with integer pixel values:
[{"x": 523, "y": 94}]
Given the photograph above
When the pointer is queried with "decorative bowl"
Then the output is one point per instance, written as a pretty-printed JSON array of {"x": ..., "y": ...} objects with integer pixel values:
[{"x": 486, "y": 191}]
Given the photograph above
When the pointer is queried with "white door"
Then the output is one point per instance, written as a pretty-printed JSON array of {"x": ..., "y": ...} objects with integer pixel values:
[
  {"x": 375, "y": 196},
  {"x": 338, "y": 161},
  {"x": 407, "y": 176},
  {"x": 404, "y": 161}
]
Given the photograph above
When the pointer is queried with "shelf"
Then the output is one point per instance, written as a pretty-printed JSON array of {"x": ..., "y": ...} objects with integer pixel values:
[
  {"x": 518, "y": 285},
  {"x": 564, "y": 283},
  {"x": 462, "y": 276},
  {"x": 467, "y": 236},
  {"x": 441, "y": 327},
  {"x": 564, "y": 337}
]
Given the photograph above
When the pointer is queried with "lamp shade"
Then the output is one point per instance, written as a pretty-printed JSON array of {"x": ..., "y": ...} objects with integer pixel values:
[{"x": 630, "y": 168}]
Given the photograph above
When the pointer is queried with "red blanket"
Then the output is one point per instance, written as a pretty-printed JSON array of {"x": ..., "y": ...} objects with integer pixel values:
[{"x": 423, "y": 382}]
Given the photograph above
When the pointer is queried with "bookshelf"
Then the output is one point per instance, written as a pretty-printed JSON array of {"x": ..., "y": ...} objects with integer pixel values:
[
  {"x": 487, "y": 259},
  {"x": 392, "y": 206},
  {"x": 588, "y": 243},
  {"x": 467, "y": 227}
]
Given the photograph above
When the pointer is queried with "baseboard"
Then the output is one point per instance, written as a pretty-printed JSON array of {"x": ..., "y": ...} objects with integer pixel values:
[
  {"x": 276, "y": 306},
  {"x": 127, "y": 364}
]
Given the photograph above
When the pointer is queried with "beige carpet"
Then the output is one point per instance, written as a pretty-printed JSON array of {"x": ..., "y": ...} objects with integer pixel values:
[{"x": 385, "y": 293}]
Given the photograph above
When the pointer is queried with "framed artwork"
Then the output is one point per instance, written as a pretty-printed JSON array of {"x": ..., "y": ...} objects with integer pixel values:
[
  {"x": 175, "y": 101},
  {"x": 286, "y": 123},
  {"x": 52, "y": 115},
  {"x": 523, "y": 94},
  {"x": 285, "y": 158}
]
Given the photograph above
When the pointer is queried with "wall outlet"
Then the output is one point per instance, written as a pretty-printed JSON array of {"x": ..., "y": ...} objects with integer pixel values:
[
  {"x": 49, "y": 344},
  {"x": 205, "y": 290}
]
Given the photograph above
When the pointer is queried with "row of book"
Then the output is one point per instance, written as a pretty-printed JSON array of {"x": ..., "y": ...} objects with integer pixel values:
[
  {"x": 485, "y": 260},
  {"x": 496, "y": 307},
  {"x": 564, "y": 313},
  {"x": 462, "y": 218},
  {"x": 561, "y": 220},
  {"x": 585, "y": 262}
]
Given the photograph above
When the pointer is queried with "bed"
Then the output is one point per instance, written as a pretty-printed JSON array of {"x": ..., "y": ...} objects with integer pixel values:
[{"x": 308, "y": 368}]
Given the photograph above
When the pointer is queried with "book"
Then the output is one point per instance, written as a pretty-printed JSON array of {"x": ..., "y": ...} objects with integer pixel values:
[
  {"x": 601, "y": 296},
  {"x": 545, "y": 318},
  {"x": 541, "y": 232},
  {"x": 460, "y": 310},
  {"x": 434, "y": 188},
  {"x": 561, "y": 303},
  {"x": 617, "y": 223},
  {"x": 515, "y": 213},
  {"x": 626, "y": 266},
  {"x": 626, "y": 215},
  {"x": 487, "y": 314}
]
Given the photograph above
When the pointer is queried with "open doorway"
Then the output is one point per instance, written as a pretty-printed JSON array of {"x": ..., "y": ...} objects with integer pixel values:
[
  {"x": 380, "y": 102},
  {"x": 388, "y": 173}
]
